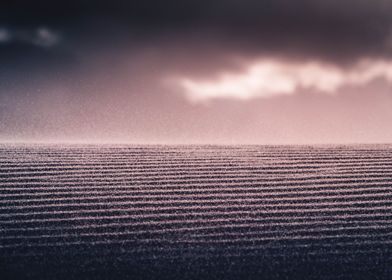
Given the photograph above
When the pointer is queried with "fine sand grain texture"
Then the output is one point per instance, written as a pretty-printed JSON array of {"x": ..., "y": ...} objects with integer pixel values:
[{"x": 262, "y": 212}]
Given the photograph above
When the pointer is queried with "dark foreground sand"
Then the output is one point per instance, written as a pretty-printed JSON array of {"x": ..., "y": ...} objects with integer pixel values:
[{"x": 212, "y": 212}]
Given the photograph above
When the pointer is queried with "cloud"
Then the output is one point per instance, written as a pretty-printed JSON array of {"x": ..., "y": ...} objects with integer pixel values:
[
  {"x": 40, "y": 37},
  {"x": 268, "y": 78},
  {"x": 4, "y": 35},
  {"x": 45, "y": 37},
  {"x": 332, "y": 29}
]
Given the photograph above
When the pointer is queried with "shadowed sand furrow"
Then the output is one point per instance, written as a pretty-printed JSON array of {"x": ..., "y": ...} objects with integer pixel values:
[
  {"x": 199, "y": 175},
  {"x": 123, "y": 216},
  {"x": 262, "y": 172},
  {"x": 298, "y": 240},
  {"x": 198, "y": 169},
  {"x": 290, "y": 191},
  {"x": 253, "y": 234},
  {"x": 211, "y": 218},
  {"x": 173, "y": 163},
  {"x": 224, "y": 220},
  {"x": 223, "y": 183},
  {"x": 205, "y": 228},
  {"x": 292, "y": 186},
  {"x": 252, "y": 253},
  {"x": 189, "y": 206},
  {"x": 167, "y": 199}
]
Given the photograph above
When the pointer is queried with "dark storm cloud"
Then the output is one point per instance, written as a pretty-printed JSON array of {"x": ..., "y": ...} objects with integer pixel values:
[
  {"x": 31, "y": 56},
  {"x": 332, "y": 28},
  {"x": 40, "y": 37},
  {"x": 45, "y": 37}
]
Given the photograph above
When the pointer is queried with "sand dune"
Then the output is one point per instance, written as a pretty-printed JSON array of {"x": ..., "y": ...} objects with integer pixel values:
[{"x": 196, "y": 211}]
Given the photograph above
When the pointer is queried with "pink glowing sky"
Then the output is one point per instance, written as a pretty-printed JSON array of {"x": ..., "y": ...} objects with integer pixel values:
[{"x": 222, "y": 75}]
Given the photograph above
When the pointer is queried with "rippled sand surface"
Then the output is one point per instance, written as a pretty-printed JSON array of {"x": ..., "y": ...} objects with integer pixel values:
[{"x": 179, "y": 212}]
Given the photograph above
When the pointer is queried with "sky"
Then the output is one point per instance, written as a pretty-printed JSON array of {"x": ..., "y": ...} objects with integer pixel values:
[{"x": 196, "y": 72}]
